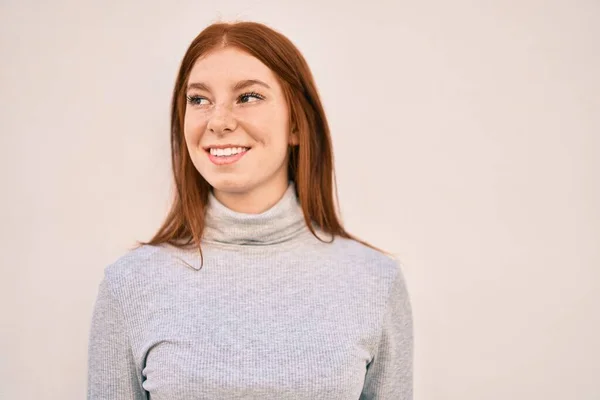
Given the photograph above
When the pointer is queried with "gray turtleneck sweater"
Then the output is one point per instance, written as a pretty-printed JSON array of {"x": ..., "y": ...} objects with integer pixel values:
[{"x": 274, "y": 313}]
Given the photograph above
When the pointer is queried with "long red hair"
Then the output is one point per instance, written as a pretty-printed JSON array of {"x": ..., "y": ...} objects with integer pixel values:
[{"x": 310, "y": 162}]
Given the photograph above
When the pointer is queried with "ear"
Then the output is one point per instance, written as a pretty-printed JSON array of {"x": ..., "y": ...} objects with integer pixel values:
[{"x": 293, "y": 138}]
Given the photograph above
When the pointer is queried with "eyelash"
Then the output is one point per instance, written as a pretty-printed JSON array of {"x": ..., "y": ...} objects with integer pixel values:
[{"x": 194, "y": 99}]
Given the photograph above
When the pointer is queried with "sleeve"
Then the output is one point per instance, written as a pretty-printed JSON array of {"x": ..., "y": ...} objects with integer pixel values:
[
  {"x": 112, "y": 373},
  {"x": 389, "y": 375}
]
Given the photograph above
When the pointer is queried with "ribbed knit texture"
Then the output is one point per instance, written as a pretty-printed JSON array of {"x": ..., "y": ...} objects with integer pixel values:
[{"x": 274, "y": 313}]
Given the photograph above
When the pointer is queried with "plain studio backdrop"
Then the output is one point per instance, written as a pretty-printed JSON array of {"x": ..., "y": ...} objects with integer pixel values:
[{"x": 467, "y": 141}]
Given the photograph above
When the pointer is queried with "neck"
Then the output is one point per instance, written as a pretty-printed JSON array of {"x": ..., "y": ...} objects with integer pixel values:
[
  {"x": 281, "y": 222},
  {"x": 255, "y": 201}
]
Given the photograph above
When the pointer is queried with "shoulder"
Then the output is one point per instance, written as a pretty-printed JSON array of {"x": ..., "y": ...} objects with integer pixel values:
[
  {"x": 385, "y": 270},
  {"x": 134, "y": 266},
  {"x": 371, "y": 260}
]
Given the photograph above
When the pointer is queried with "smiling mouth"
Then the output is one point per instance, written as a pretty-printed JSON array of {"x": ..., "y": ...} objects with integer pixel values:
[
  {"x": 226, "y": 155},
  {"x": 227, "y": 151}
]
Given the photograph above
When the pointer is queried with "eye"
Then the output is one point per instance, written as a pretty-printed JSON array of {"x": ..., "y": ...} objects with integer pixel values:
[
  {"x": 249, "y": 95},
  {"x": 195, "y": 100}
]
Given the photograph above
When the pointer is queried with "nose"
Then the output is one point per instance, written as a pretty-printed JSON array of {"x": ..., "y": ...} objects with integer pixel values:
[{"x": 221, "y": 121}]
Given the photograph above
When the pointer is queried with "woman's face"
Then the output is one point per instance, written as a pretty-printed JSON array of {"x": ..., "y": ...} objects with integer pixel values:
[{"x": 237, "y": 124}]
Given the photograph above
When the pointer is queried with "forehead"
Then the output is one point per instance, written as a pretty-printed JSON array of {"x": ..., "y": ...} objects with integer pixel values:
[{"x": 228, "y": 65}]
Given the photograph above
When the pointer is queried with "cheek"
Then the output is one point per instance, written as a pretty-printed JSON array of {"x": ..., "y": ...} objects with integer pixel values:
[
  {"x": 193, "y": 131},
  {"x": 267, "y": 127}
]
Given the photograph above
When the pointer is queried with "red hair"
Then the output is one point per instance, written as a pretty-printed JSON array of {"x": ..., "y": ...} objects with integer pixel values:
[{"x": 310, "y": 163}]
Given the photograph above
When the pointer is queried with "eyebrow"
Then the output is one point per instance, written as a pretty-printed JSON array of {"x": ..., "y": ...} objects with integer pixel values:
[{"x": 240, "y": 85}]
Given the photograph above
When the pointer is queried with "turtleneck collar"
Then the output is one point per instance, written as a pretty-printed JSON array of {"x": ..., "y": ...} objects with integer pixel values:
[{"x": 278, "y": 224}]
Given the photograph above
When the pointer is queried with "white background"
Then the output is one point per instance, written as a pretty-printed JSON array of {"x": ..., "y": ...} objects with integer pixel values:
[{"x": 467, "y": 141}]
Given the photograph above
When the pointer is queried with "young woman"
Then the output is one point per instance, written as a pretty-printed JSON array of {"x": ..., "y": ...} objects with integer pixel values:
[{"x": 251, "y": 289}]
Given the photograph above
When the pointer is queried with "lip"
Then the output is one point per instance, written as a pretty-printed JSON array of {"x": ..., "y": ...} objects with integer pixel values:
[
  {"x": 224, "y": 146},
  {"x": 225, "y": 160}
]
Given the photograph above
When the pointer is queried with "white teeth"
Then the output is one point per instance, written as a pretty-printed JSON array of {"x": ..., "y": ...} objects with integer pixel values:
[{"x": 228, "y": 151}]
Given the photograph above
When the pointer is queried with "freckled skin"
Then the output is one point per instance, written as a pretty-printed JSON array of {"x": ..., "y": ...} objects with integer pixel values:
[{"x": 219, "y": 115}]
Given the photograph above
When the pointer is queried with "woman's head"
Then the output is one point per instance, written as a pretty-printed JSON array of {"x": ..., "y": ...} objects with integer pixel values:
[
  {"x": 236, "y": 124},
  {"x": 287, "y": 128},
  {"x": 284, "y": 126}
]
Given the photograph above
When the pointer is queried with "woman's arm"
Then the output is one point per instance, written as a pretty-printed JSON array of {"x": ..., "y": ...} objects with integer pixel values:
[
  {"x": 390, "y": 373},
  {"x": 112, "y": 373}
]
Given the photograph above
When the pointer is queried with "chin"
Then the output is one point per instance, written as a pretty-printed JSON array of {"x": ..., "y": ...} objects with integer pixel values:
[{"x": 230, "y": 185}]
